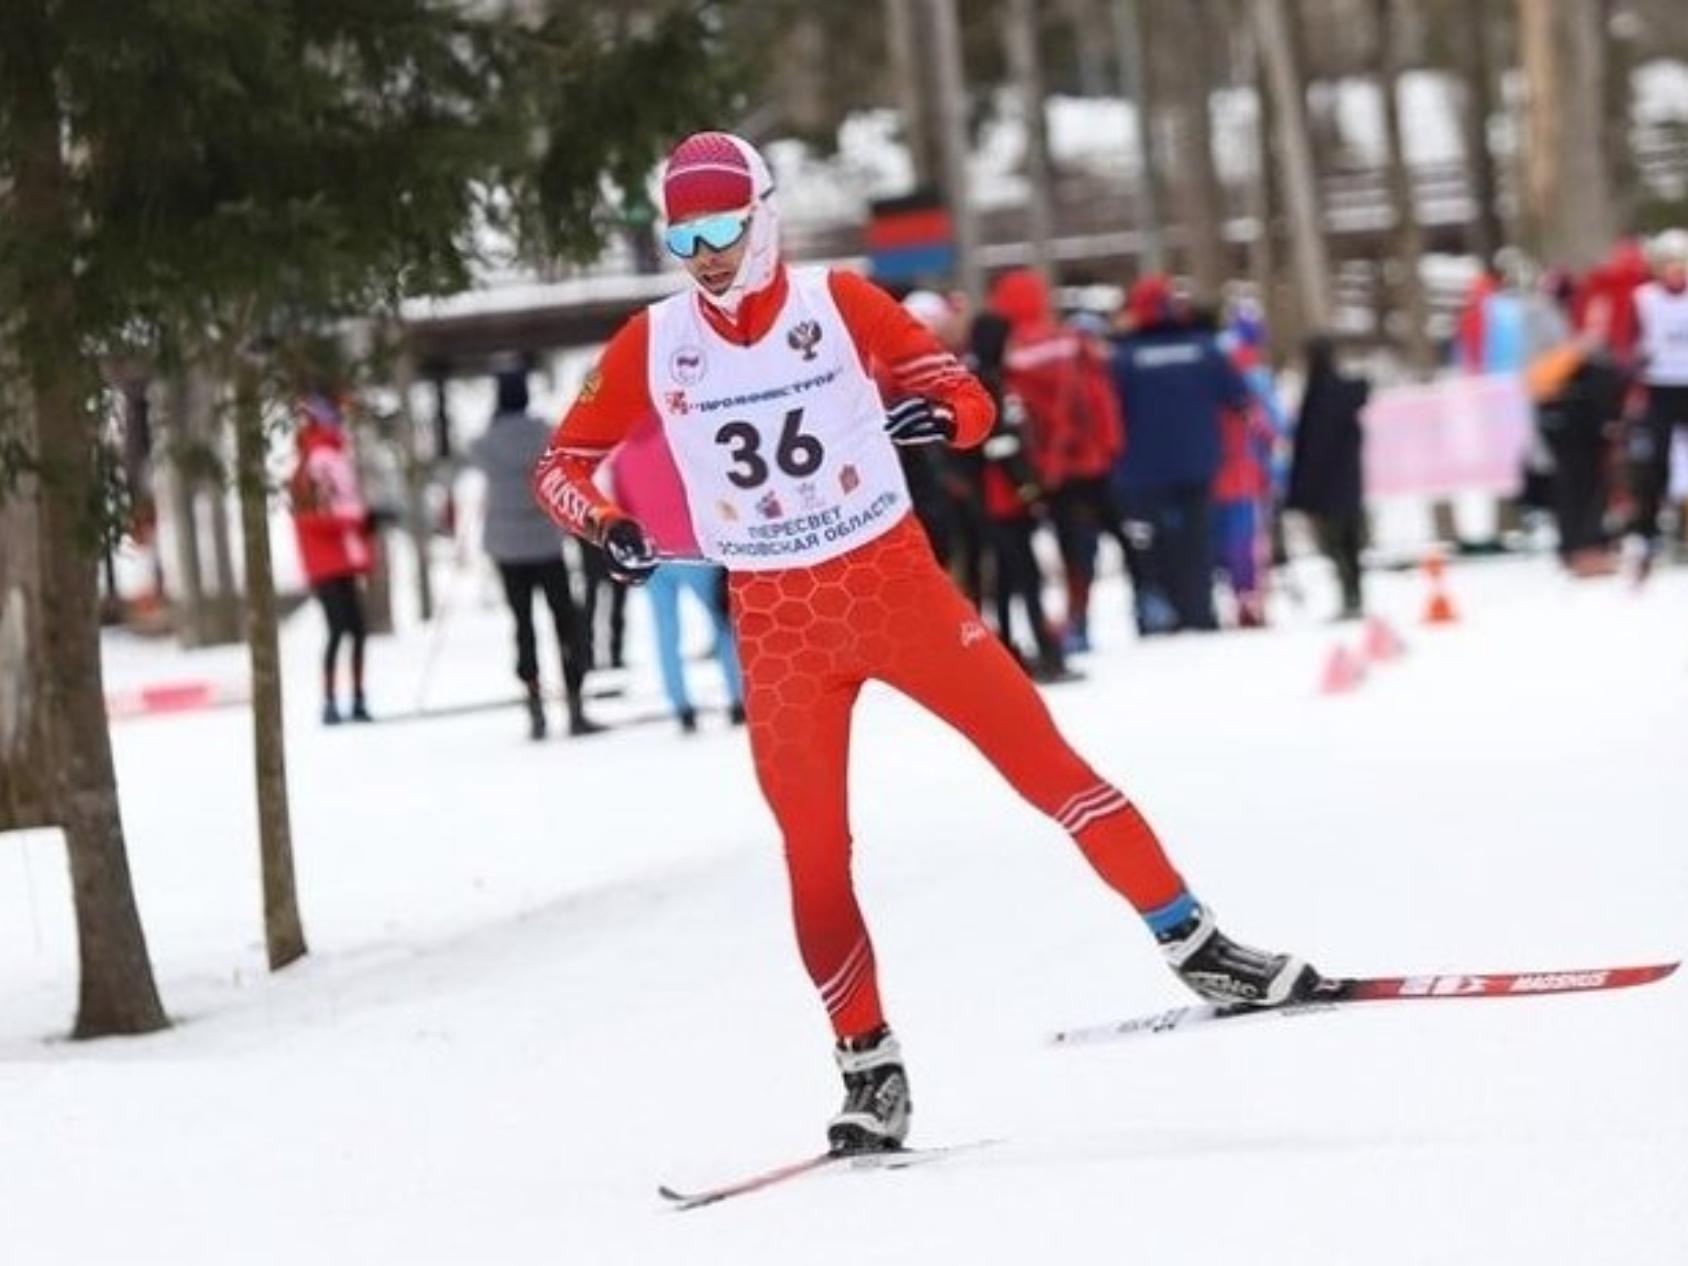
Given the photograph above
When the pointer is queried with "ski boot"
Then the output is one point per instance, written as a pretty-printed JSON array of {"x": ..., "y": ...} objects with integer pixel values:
[
  {"x": 537, "y": 727},
  {"x": 360, "y": 711},
  {"x": 1228, "y": 974},
  {"x": 581, "y": 725},
  {"x": 1638, "y": 554},
  {"x": 876, "y": 1108}
]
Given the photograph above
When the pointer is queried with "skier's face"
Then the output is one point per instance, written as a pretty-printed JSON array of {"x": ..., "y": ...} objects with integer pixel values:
[{"x": 714, "y": 270}]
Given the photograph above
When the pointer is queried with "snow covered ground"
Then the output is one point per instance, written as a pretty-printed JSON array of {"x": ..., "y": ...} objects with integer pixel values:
[{"x": 548, "y": 977}]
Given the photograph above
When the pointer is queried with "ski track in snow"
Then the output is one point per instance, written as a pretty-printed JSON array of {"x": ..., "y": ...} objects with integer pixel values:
[{"x": 547, "y": 978}]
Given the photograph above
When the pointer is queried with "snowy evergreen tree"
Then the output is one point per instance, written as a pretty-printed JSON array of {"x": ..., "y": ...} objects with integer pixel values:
[{"x": 226, "y": 175}]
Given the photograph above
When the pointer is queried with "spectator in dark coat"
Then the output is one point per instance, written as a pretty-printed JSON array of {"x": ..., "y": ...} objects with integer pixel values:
[
  {"x": 1012, "y": 499},
  {"x": 1324, "y": 476},
  {"x": 528, "y": 549},
  {"x": 1174, "y": 382},
  {"x": 1579, "y": 388}
]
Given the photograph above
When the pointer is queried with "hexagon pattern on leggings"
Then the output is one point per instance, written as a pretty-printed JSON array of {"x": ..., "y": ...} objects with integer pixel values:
[{"x": 809, "y": 629}]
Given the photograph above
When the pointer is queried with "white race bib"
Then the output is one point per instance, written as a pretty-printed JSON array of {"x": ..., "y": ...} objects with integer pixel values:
[
  {"x": 781, "y": 445},
  {"x": 1664, "y": 335}
]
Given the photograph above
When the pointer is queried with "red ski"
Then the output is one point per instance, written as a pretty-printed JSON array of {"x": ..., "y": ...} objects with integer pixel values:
[
  {"x": 1352, "y": 990},
  {"x": 896, "y": 1158}
]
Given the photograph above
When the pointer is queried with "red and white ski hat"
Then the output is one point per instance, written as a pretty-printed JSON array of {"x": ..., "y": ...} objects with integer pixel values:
[{"x": 711, "y": 172}]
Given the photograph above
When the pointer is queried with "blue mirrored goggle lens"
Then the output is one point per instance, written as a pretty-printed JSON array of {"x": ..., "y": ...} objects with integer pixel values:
[{"x": 717, "y": 232}]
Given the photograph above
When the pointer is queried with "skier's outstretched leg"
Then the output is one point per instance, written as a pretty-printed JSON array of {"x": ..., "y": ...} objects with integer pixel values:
[
  {"x": 968, "y": 679},
  {"x": 973, "y": 683}
]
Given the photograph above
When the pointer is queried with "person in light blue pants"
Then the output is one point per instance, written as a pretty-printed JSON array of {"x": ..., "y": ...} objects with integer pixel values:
[{"x": 665, "y": 586}]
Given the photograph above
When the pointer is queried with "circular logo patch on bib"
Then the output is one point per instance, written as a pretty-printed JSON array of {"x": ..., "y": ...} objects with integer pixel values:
[{"x": 686, "y": 365}]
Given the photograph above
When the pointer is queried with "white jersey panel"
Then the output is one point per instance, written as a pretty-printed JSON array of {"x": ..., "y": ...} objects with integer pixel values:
[
  {"x": 1664, "y": 335},
  {"x": 781, "y": 445}
]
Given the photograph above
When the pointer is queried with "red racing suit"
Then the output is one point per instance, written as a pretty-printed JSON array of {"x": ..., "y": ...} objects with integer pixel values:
[{"x": 811, "y": 636}]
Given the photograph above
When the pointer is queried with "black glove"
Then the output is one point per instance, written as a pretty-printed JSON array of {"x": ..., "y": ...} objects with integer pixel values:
[
  {"x": 632, "y": 560},
  {"x": 918, "y": 420}
]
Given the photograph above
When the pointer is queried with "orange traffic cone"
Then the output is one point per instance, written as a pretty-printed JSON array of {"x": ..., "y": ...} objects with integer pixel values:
[
  {"x": 1344, "y": 671},
  {"x": 1440, "y": 608},
  {"x": 1382, "y": 644}
]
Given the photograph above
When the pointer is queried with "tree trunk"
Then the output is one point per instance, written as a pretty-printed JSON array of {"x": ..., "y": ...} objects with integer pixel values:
[
  {"x": 136, "y": 427},
  {"x": 1019, "y": 33},
  {"x": 1620, "y": 52},
  {"x": 181, "y": 481},
  {"x": 24, "y": 785},
  {"x": 951, "y": 83},
  {"x": 224, "y": 606},
  {"x": 1408, "y": 290},
  {"x": 415, "y": 484},
  {"x": 117, "y": 993},
  {"x": 284, "y": 934},
  {"x": 211, "y": 433},
  {"x": 1134, "y": 87},
  {"x": 1569, "y": 196},
  {"x": 1199, "y": 198},
  {"x": 1317, "y": 103},
  {"x": 903, "y": 41},
  {"x": 801, "y": 59},
  {"x": 1083, "y": 19},
  {"x": 1472, "y": 38},
  {"x": 378, "y": 589},
  {"x": 197, "y": 493},
  {"x": 1306, "y": 223},
  {"x": 1262, "y": 249}
]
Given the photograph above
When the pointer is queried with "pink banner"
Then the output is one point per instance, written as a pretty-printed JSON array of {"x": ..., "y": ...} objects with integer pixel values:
[{"x": 1464, "y": 434}]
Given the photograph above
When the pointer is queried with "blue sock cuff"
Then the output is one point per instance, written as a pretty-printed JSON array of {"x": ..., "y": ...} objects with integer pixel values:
[{"x": 1165, "y": 918}]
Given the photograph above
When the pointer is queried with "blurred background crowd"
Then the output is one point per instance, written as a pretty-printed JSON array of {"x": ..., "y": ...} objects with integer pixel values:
[{"x": 1232, "y": 277}]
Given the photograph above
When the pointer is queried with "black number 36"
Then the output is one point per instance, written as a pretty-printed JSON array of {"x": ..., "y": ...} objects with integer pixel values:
[{"x": 796, "y": 454}]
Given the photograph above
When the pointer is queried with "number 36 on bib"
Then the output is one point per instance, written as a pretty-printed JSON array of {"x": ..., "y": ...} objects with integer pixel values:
[{"x": 780, "y": 445}]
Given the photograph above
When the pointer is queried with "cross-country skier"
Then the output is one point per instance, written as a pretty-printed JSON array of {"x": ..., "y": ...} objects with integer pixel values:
[{"x": 762, "y": 379}]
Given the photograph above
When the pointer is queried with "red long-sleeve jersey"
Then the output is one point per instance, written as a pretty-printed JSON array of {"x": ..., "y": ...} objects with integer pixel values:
[{"x": 894, "y": 349}]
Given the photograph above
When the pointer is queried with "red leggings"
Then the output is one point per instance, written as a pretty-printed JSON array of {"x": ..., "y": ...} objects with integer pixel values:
[{"x": 809, "y": 638}]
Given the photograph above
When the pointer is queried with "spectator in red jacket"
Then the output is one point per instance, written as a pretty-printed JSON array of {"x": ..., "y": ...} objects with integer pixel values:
[
  {"x": 1073, "y": 430},
  {"x": 1604, "y": 305},
  {"x": 336, "y": 536}
]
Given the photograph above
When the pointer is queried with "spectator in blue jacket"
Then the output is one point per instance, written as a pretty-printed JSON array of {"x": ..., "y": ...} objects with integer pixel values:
[{"x": 1174, "y": 380}]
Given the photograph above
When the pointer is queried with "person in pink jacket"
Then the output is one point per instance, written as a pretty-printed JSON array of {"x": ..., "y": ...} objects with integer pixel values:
[
  {"x": 336, "y": 535},
  {"x": 647, "y": 485}
]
